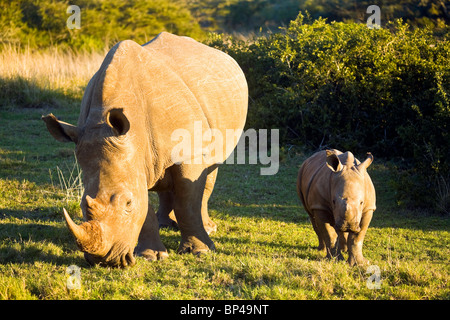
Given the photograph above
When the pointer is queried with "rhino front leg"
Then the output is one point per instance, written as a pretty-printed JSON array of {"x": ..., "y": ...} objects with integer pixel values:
[
  {"x": 189, "y": 185},
  {"x": 342, "y": 241},
  {"x": 149, "y": 243},
  {"x": 326, "y": 232},
  {"x": 355, "y": 241}
]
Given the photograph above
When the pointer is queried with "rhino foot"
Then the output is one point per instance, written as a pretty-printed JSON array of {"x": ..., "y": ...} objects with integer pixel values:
[
  {"x": 210, "y": 227},
  {"x": 359, "y": 261},
  {"x": 152, "y": 255},
  {"x": 195, "y": 246}
]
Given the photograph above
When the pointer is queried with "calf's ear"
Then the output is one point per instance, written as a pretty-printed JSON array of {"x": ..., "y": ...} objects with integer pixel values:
[
  {"x": 366, "y": 163},
  {"x": 333, "y": 161},
  {"x": 60, "y": 130}
]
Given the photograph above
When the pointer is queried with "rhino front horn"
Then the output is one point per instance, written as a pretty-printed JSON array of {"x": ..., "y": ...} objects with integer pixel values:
[{"x": 88, "y": 235}]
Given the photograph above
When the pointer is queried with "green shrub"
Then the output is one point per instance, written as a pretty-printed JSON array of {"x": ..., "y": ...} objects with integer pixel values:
[
  {"x": 42, "y": 23},
  {"x": 343, "y": 85},
  {"x": 248, "y": 15}
]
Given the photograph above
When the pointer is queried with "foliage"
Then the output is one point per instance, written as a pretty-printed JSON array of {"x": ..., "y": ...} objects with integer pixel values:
[
  {"x": 346, "y": 86},
  {"x": 42, "y": 23},
  {"x": 243, "y": 16}
]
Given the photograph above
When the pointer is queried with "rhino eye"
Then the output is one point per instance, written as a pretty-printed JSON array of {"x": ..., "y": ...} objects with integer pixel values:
[
  {"x": 361, "y": 202},
  {"x": 334, "y": 201}
]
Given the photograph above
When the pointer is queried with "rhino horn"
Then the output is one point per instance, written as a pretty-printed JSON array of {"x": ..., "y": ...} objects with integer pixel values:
[
  {"x": 88, "y": 235},
  {"x": 94, "y": 206},
  {"x": 366, "y": 163}
]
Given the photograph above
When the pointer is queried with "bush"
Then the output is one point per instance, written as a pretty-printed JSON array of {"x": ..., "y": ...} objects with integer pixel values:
[
  {"x": 346, "y": 86},
  {"x": 42, "y": 23},
  {"x": 252, "y": 15}
]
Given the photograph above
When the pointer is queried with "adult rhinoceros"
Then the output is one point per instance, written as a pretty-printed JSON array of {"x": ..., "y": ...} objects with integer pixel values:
[{"x": 130, "y": 108}]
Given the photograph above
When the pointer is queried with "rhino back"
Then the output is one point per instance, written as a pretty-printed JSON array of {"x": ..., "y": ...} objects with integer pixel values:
[
  {"x": 170, "y": 83},
  {"x": 193, "y": 83},
  {"x": 205, "y": 79}
]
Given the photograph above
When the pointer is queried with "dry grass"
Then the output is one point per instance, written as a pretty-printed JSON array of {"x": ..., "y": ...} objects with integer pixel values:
[
  {"x": 53, "y": 67},
  {"x": 43, "y": 76}
]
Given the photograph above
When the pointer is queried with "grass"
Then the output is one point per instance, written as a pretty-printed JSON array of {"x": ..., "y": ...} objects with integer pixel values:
[{"x": 265, "y": 242}]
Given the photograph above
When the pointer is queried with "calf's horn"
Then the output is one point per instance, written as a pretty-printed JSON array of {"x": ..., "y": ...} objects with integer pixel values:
[{"x": 88, "y": 235}]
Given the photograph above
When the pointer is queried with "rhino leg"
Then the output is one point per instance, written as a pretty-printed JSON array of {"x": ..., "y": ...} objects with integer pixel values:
[
  {"x": 189, "y": 185},
  {"x": 149, "y": 243},
  {"x": 355, "y": 241},
  {"x": 325, "y": 223},
  {"x": 165, "y": 214},
  {"x": 209, "y": 225},
  {"x": 342, "y": 241},
  {"x": 321, "y": 246}
]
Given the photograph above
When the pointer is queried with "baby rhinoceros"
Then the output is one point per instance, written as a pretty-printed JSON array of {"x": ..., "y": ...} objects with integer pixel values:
[{"x": 339, "y": 196}]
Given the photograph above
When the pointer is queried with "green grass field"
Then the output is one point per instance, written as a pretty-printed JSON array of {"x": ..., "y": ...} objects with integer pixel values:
[{"x": 265, "y": 244}]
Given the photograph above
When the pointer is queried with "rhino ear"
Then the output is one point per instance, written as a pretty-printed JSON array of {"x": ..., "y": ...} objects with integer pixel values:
[
  {"x": 60, "y": 130},
  {"x": 366, "y": 163},
  {"x": 117, "y": 120},
  {"x": 333, "y": 161}
]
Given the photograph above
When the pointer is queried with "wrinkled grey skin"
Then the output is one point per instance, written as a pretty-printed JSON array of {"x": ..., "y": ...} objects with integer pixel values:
[
  {"x": 339, "y": 196},
  {"x": 130, "y": 109}
]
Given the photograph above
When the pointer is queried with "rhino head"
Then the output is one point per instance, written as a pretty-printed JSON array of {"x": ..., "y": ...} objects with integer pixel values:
[
  {"x": 115, "y": 200},
  {"x": 348, "y": 191}
]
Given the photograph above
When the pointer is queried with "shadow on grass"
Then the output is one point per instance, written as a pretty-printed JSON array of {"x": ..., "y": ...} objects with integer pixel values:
[
  {"x": 32, "y": 253},
  {"x": 301, "y": 251},
  {"x": 28, "y": 240}
]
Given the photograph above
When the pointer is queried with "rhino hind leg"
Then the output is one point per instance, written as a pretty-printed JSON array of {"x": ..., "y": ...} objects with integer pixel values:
[
  {"x": 189, "y": 183},
  {"x": 342, "y": 241},
  {"x": 165, "y": 214},
  {"x": 321, "y": 246},
  {"x": 210, "y": 226},
  {"x": 150, "y": 245}
]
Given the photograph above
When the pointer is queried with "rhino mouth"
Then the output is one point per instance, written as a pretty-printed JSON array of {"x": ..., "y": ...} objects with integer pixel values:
[
  {"x": 119, "y": 256},
  {"x": 90, "y": 239},
  {"x": 347, "y": 227}
]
